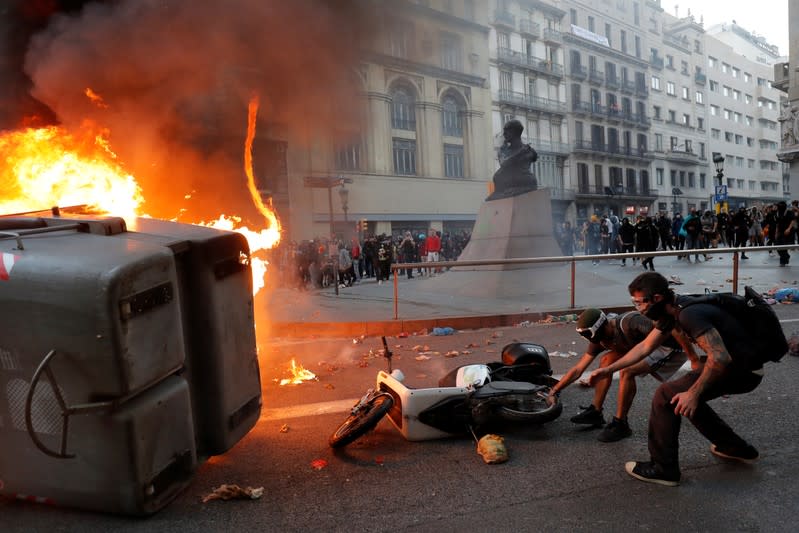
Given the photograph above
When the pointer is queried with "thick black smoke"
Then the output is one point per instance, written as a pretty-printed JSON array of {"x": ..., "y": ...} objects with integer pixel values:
[{"x": 175, "y": 77}]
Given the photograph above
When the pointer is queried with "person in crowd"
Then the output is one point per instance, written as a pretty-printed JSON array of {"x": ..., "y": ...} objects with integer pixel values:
[
  {"x": 613, "y": 336},
  {"x": 566, "y": 238},
  {"x": 615, "y": 223},
  {"x": 605, "y": 235},
  {"x": 724, "y": 341},
  {"x": 692, "y": 230},
  {"x": 408, "y": 253},
  {"x": 770, "y": 225},
  {"x": 646, "y": 240},
  {"x": 786, "y": 224},
  {"x": 346, "y": 272},
  {"x": 385, "y": 254},
  {"x": 756, "y": 227},
  {"x": 708, "y": 238},
  {"x": 593, "y": 237},
  {"x": 370, "y": 256},
  {"x": 722, "y": 226},
  {"x": 433, "y": 249},
  {"x": 357, "y": 258},
  {"x": 626, "y": 239},
  {"x": 663, "y": 224},
  {"x": 676, "y": 231},
  {"x": 740, "y": 223}
]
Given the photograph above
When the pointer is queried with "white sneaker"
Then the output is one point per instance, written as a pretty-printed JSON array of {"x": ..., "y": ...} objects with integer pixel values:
[{"x": 380, "y": 282}]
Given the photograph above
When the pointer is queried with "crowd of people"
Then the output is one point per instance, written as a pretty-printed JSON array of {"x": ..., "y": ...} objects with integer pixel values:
[
  {"x": 755, "y": 226},
  {"x": 318, "y": 263}
]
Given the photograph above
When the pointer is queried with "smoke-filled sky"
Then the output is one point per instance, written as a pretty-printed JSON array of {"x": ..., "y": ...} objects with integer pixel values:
[{"x": 175, "y": 74}]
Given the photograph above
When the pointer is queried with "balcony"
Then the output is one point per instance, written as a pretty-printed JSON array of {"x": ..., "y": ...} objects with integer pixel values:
[
  {"x": 682, "y": 157},
  {"x": 641, "y": 91},
  {"x": 578, "y": 72},
  {"x": 616, "y": 190},
  {"x": 529, "y": 29},
  {"x": 519, "y": 59},
  {"x": 535, "y": 103},
  {"x": 504, "y": 19},
  {"x": 587, "y": 108},
  {"x": 595, "y": 76},
  {"x": 553, "y": 36},
  {"x": 700, "y": 79},
  {"x": 627, "y": 87},
  {"x": 656, "y": 62},
  {"x": 782, "y": 76},
  {"x": 611, "y": 81}
]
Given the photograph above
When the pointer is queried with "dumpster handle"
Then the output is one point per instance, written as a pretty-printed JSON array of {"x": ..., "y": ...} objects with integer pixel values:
[{"x": 66, "y": 410}]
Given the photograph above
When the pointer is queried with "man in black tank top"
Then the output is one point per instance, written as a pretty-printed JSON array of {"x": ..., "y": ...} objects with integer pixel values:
[{"x": 613, "y": 336}]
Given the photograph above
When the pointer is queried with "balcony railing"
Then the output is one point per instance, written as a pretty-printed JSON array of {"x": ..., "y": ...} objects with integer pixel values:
[
  {"x": 611, "y": 149},
  {"x": 596, "y": 76},
  {"x": 616, "y": 190},
  {"x": 504, "y": 18},
  {"x": 531, "y": 102},
  {"x": 612, "y": 82},
  {"x": 530, "y": 28},
  {"x": 578, "y": 72},
  {"x": 682, "y": 156},
  {"x": 553, "y": 36},
  {"x": 527, "y": 61},
  {"x": 700, "y": 78},
  {"x": 597, "y": 110},
  {"x": 627, "y": 87},
  {"x": 656, "y": 62}
]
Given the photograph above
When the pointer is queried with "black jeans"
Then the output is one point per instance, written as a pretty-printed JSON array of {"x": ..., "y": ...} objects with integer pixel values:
[{"x": 664, "y": 425}]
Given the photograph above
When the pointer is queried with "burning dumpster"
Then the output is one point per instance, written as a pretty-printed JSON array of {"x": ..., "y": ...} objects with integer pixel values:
[{"x": 125, "y": 358}]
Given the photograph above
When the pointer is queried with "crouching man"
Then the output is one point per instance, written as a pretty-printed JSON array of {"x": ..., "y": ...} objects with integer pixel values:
[
  {"x": 732, "y": 367},
  {"x": 613, "y": 337}
]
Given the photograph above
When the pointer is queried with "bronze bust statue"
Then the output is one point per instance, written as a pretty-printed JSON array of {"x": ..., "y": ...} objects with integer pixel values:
[{"x": 514, "y": 176}]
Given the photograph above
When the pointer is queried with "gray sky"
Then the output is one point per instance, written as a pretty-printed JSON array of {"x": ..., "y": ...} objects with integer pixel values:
[{"x": 768, "y": 18}]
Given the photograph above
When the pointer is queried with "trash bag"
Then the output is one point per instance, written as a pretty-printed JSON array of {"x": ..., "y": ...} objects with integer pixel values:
[{"x": 492, "y": 448}]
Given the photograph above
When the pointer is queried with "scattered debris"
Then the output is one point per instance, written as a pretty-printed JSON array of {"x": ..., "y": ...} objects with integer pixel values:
[
  {"x": 284, "y": 428},
  {"x": 329, "y": 386},
  {"x": 674, "y": 280},
  {"x": 492, "y": 448},
  {"x": 525, "y": 324},
  {"x": 496, "y": 334},
  {"x": 379, "y": 460},
  {"x": 443, "y": 331},
  {"x": 403, "y": 335},
  {"x": 452, "y": 353},
  {"x": 231, "y": 492},
  {"x": 421, "y": 348},
  {"x": 421, "y": 358},
  {"x": 318, "y": 464},
  {"x": 472, "y": 345}
]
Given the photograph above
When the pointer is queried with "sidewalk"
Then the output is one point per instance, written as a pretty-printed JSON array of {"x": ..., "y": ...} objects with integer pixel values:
[{"x": 367, "y": 308}]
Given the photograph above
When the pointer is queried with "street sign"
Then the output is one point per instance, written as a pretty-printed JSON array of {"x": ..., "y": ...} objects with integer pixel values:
[{"x": 721, "y": 193}]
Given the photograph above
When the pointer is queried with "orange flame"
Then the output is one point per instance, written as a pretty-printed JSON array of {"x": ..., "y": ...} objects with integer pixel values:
[
  {"x": 95, "y": 98},
  {"x": 46, "y": 167},
  {"x": 298, "y": 375}
]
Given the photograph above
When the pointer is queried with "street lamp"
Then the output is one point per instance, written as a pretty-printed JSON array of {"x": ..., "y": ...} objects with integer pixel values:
[
  {"x": 675, "y": 192},
  {"x": 344, "y": 196},
  {"x": 718, "y": 160}
]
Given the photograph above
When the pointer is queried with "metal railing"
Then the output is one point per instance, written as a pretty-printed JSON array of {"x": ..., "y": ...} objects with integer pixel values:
[{"x": 574, "y": 259}]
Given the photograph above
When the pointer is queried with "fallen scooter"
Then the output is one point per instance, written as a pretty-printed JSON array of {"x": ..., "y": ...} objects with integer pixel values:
[{"x": 468, "y": 398}]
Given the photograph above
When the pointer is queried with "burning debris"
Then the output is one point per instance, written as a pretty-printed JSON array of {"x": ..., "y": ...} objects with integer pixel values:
[{"x": 299, "y": 374}]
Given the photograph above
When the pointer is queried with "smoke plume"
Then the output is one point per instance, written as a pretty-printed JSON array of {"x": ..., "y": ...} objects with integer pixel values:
[{"x": 174, "y": 78}]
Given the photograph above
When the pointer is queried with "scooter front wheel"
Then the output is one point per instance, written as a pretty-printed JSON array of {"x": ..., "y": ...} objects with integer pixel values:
[
  {"x": 362, "y": 420},
  {"x": 534, "y": 409}
]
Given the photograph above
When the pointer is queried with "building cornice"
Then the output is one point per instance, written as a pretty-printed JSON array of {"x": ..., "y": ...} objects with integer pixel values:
[{"x": 425, "y": 69}]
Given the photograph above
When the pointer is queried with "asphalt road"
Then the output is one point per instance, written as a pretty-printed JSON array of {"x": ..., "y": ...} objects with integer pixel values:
[{"x": 558, "y": 478}]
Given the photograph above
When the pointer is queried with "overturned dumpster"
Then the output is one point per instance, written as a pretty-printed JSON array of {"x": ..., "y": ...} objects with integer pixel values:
[{"x": 126, "y": 358}]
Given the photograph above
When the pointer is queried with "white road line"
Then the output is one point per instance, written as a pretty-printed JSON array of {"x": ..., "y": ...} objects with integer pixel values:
[{"x": 310, "y": 409}]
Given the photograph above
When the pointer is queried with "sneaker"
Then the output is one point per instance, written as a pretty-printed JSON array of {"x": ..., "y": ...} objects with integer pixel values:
[
  {"x": 589, "y": 416},
  {"x": 747, "y": 454},
  {"x": 743, "y": 256},
  {"x": 616, "y": 430},
  {"x": 652, "y": 473}
]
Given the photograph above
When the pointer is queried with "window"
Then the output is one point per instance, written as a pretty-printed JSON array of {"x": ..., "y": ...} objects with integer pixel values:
[
  {"x": 591, "y": 25},
  {"x": 726, "y": 91},
  {"x": 659, "y": 142},
  {"x": 400, "y": 39},
  {"x": 736, "y": 94},
  {"x": 691, "y": 180},
  {"x": 714, "y": 86},
  {"x": 673, "y": 178},
  {"x": 403, "y": 115},
  {"x": 736, "y": 116},
  {"x": 670, "y": 61},
  {"x": 686, "y": 120},
  {"x": 700, "y": 123},
  {"x": 714, "y": 110},
  {"x": 451, "y": 121},
  {"x": 623, "y": 39},
  {"x": 702, "y": 150},
  {"x": 453, "y": 160},
  {"x": 671, "y": 89},
  {"x": 728, "y": 136},
  {"x": 348, "y": 157},
  {"x": 715, "y": 134},
  {"x": 750, "y": 163},
  {"x": 655, "y": 83},
  {"x": 672, "y": 116},
  {"x": 404, "y": 157},
  {"x": 573, "y": 16},
  {"x": 712, "y": 62},
  {"x": 747, "y": 77},
  {"x": 748, "y": 98},
  {"x": 684, "y": 68},
  {"x": 505, "y": 81},
  {"x": 659, "y": 176},
  {"x": 750, "y": 142},
  {"x": 686, "y": 93},
  {"x": 608, "y": 34},
  {"x": 699, "y": 97},
  {"x": 451, "y": 57},
  {"x": 739, "y": 139},
  {"x": 727, "y": 114},
  {"x": 503, "y": 41},
  {"x": 749, "y": 120},
  {"x": 701, "y": 180},
  {"x": 735, "y": 72},
  {"x": 725, "y": 68}
]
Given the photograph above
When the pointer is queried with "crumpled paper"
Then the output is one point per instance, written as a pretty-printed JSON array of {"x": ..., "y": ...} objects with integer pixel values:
[
  {"x": 234, "y": 492},
  {"x": 492, "y": 448}
]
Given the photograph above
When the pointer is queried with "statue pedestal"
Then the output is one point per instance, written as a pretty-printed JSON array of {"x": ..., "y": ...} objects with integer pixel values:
[{"x": 515, "y": 227}]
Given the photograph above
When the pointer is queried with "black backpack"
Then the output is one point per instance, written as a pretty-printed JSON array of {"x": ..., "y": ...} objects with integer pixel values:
[{"x": 758, "y": 318}]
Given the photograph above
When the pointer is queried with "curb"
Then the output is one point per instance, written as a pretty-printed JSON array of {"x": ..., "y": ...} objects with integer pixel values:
[{"x": 395, "y": 327}]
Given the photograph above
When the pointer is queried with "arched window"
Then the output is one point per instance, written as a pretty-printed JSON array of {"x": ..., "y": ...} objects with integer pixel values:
[
  {"x": 403, "y": 112},
  {"x": 451, "y": 119}
]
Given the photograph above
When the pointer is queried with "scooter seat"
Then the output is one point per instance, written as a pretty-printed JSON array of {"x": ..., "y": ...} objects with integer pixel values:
[{"x": 504, "y": 387}]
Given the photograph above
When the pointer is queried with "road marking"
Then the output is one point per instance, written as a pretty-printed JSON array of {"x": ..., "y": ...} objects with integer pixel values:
[
  {"x": 788, "y": 320},
  {"x": 310, "y": 409}
]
